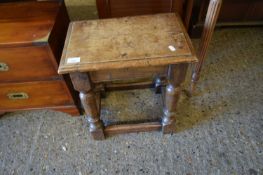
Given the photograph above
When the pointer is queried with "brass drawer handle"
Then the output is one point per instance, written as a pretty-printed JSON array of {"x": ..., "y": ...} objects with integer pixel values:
[
  {"x": 3, "y": 67},
  {"x": 18, "y": 96}
]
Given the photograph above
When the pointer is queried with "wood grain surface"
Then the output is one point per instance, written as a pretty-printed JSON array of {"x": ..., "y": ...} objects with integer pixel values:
[{"x": 139, "y": 41}]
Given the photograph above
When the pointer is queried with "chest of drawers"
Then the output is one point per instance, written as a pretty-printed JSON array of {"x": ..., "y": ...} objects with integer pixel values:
[{"x": 32, "y": 36}]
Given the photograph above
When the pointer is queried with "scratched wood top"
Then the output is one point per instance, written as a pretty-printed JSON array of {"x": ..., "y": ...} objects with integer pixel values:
[
  {"x": 139, "y": 41},
  {"x": 23, "y": 23}
]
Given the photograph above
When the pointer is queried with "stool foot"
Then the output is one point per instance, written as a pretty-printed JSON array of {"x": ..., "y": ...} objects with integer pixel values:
[
  {"x": 168, "y": 122},
  {"x": 98, "y": 134},
  {"x": 96, "y": 128}
]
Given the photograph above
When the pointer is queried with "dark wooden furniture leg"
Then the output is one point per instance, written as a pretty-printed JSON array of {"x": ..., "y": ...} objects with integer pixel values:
[
  {"x": 83, "y": 84},
  {"x": 209, "y": 26},
  {"x": 188, "y": 13},
  {"x": 176, "y": 75}
]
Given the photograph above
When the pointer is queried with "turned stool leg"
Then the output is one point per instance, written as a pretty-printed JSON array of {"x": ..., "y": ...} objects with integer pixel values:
[
  {"x": 82, "y": 83},
  {"x": 176, "y": 75},
  {"x": 209, "y": 26}
]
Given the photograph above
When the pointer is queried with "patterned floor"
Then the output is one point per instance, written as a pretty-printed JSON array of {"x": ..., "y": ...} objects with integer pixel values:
[{"x": 219, "y": 130}]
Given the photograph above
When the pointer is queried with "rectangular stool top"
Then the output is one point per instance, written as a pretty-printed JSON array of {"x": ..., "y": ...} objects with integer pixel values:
[{"x": 140, "y": 41}]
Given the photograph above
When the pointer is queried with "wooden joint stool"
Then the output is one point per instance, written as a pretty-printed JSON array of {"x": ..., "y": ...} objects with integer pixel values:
[{"x": 142, "y": 49}]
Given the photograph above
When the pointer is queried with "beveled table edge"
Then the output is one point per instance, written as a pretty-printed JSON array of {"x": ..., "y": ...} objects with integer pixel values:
[
  {"x": 126, "y": 64},
  {"x": 64, "y": 69}
]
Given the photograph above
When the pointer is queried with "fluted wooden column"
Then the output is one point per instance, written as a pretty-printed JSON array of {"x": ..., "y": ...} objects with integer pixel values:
[{"x": 209, "y": 26}]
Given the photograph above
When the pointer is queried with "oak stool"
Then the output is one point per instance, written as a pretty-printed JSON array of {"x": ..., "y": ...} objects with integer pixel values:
[{"x": 99, "y": 52}]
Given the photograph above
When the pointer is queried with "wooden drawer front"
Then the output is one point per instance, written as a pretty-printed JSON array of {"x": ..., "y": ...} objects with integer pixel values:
[
  {"x": 23, "y": 23},
  {"x": 33, "y": 95},
  {"x": 26, "y": 63}
]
